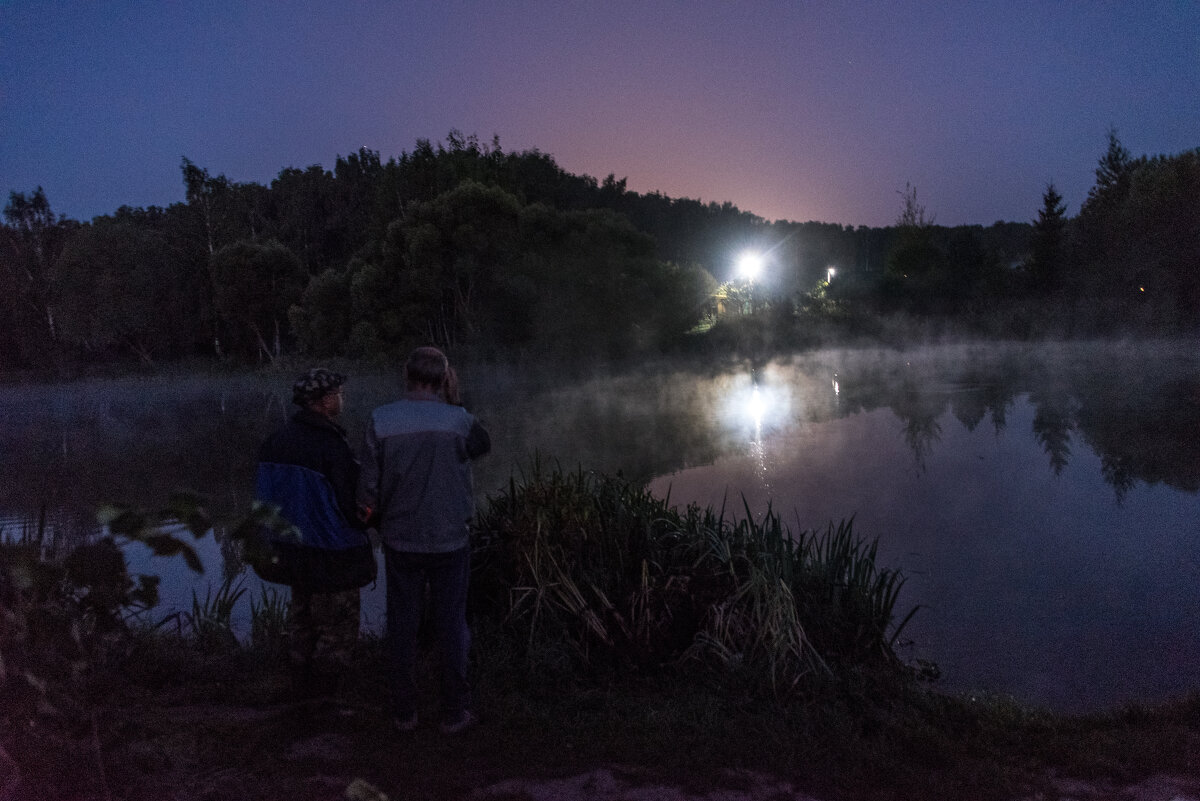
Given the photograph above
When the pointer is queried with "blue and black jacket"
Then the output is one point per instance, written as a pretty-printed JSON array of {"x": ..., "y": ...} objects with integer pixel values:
[{"x": 308, "y": 470}]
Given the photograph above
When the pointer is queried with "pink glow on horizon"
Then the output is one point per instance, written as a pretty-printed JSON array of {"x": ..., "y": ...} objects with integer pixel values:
[{"x": 813, "y": 111}]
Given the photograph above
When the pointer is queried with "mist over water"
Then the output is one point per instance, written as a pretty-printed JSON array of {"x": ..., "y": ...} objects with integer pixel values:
[
  {"x": 1042, "y": 500},
  {"x": 1043, "y": 503}
]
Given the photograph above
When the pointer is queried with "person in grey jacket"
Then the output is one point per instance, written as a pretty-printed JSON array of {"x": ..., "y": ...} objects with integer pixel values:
[{"x": 416, "y": 485}]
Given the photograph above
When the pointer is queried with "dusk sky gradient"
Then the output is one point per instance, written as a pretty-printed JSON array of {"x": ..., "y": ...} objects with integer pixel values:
[{"x": 790, "y": 110}]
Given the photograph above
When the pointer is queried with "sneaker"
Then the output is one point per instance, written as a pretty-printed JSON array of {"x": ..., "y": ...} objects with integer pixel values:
[
  {"x": 458, "y": 722},
  {"x": 405, "y": 725}
]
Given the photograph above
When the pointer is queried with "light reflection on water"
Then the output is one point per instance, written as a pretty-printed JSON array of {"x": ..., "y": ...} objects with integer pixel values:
[
  {"x": 1053, "y": 599},
  {"x": 755, "y": 405},
  {"x": 1043, "y": 504},
  {"x": 1044, "y": 570}
]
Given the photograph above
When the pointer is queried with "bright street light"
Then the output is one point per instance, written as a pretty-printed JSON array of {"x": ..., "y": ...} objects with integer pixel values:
[
  {"x": 749, "y": 265},
  {"x": 829, "y": 271}
]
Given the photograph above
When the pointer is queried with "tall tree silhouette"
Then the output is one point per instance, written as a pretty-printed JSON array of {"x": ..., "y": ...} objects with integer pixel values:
[
  {"x": 31, "y": 243},
  {"x": 1045, "y": 264}
]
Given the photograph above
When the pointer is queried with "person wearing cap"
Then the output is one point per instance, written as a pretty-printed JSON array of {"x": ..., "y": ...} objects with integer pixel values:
[
  {"x": 417, "y": 474},
  {"x": 308, "y": 470}
]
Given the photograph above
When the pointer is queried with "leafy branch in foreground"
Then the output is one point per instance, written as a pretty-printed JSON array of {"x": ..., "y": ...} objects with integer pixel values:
[
  {"x": 57, "y": 617},
  {"x": 184, "y": 510}
]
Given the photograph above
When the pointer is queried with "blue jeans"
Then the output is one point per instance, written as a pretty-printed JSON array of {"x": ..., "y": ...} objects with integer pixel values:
[{"x": 447, "y": 576}]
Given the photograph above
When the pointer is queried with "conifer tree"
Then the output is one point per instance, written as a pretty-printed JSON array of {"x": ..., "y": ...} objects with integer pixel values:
[
  {"x": 1045, "y": 266},
  {"x": 1112, "y": 173}
]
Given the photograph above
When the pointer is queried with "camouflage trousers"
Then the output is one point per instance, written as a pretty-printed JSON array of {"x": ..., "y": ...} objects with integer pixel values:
[{"x": 322, "y": 628}]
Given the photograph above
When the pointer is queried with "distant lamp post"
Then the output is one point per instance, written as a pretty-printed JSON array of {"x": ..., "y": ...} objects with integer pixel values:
[{"x": 829, "y": 273}]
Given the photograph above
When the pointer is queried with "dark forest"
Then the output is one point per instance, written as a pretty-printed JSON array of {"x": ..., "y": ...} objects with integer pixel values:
[{"x": 501, "y": 255}]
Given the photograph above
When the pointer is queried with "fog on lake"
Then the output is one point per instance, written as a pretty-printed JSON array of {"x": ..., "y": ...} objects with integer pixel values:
[{"x": 1042, "y": 500}]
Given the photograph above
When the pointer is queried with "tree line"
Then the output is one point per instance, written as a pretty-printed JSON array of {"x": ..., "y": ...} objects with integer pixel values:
[{"x": 465, "y": 245}]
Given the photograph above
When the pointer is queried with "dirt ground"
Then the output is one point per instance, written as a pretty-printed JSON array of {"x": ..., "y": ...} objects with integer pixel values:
[
  {"x": 604, "y": 784},
  {"x": 207, "y": 752}
]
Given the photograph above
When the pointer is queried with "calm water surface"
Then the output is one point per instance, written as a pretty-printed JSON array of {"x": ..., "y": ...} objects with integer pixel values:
[{"x": 1043, "y": 501}]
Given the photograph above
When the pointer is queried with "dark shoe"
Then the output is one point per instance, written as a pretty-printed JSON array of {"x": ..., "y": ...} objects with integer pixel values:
[{"x": 458, "y": 722}]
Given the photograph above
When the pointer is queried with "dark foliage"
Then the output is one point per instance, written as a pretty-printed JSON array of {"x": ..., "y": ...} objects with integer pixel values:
[{"x": 506, "y": 254}]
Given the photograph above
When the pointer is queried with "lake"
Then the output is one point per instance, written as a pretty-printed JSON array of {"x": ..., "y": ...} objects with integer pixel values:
[{"x": 1044, "y": 501}]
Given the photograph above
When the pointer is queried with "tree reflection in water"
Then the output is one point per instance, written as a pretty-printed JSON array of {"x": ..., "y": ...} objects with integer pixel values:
[
  {"x": 72, "y": 447},
  {"x": 1055, "y": 560},
  {"x": 1138, "y": 411},
  {"x": 1136, "y": 408}
]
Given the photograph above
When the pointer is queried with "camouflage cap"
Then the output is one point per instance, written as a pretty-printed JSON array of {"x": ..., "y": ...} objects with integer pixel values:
[{"x": 315, "y": 384}]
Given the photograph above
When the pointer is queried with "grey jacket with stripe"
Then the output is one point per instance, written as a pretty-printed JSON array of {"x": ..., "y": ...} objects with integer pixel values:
[{"x": 417, "y": 472}]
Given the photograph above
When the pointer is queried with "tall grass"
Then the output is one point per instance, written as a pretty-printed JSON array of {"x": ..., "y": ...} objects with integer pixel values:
[
  {"x": 211, "y": 620},
  {"x": 622, "y": 578},
  {"x": 268, "y": 620}
]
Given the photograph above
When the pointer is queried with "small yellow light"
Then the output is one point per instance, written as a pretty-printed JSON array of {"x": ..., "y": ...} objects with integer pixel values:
[{"x": 1141, "y": 289}]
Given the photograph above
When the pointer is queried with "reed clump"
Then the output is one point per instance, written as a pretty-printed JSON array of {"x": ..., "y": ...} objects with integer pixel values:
[{"x": 598, "y": 565}]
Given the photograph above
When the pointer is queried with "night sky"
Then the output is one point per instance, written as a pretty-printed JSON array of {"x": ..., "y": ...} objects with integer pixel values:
[{"x": 790, "y": 110}]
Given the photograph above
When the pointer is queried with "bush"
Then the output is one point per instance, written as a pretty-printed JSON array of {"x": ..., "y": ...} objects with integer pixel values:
[{"x": 599, "y": 563}]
